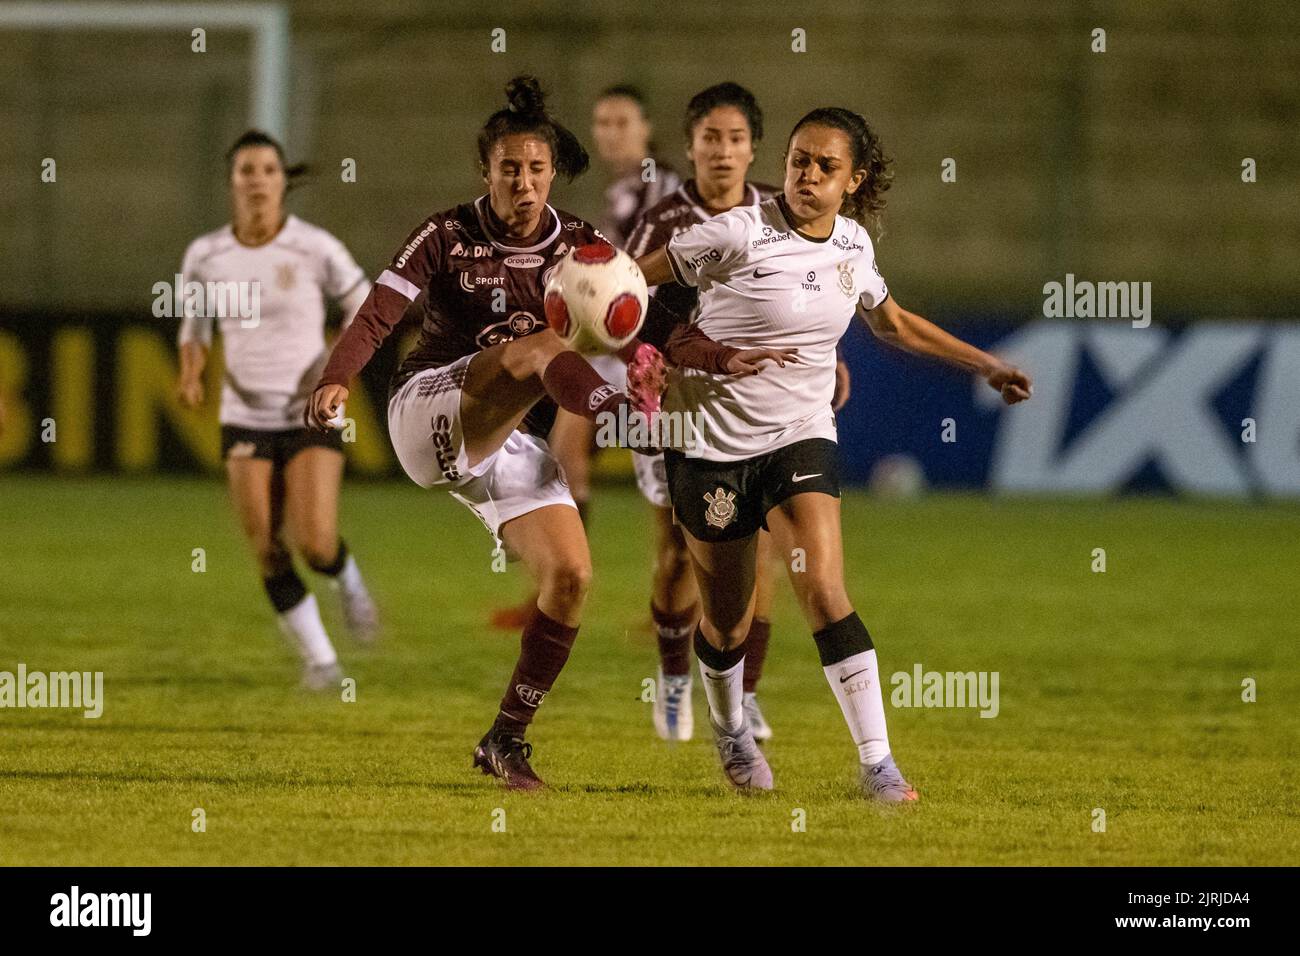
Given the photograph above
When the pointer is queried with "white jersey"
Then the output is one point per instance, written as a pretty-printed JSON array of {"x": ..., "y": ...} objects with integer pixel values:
[
  {"x": 274, "y": 351},
  {"x": 763, "y": 285}
]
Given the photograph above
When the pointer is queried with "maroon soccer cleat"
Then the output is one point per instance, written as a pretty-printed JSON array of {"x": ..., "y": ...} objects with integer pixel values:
[{"x": 505, "y": 756}]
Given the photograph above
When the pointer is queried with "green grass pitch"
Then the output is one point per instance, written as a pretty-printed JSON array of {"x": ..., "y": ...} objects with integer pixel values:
[{"x": 1120, "y": 691}]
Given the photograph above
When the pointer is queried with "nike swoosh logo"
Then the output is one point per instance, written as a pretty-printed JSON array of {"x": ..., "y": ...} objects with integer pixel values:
[
  {"x": 765, "y": 274},
  {"x": 854, "y": 674},
  {"x": 796, "y": 477}
]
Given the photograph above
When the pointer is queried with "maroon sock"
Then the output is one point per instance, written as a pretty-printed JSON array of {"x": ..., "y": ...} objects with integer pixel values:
[
  {"x": 578, "y": 388},
  {"x": 544, "y": 648},
  {"x": 674, "y": 631},
  {"x": 755, "y": 652}
]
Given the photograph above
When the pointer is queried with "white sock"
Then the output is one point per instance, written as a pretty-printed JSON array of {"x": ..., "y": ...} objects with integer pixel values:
[
  {"x": 349, "y": 579},
  {"x": 856, "y": 683},
  {"x": 726, "y": 693},
  {"x": 302, "y": 625}
]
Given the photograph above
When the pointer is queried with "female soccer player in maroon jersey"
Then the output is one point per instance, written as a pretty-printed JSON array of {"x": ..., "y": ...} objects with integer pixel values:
[
  {"x": 284, "y": 478},
  {"x": 790, "y": 272},
  {"x": 467, "y": 409}
]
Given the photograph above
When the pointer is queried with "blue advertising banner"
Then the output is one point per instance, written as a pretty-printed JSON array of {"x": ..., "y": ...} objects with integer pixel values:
[{"x": 1207, "y": 408}]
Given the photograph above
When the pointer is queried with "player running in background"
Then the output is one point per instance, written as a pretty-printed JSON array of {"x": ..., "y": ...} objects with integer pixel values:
[
  {"x": 282, "y": 476},
  {"x": 623, "y": 136},
  {"x": 467, "y": 407},
  {"x": 790, "y": 272}
]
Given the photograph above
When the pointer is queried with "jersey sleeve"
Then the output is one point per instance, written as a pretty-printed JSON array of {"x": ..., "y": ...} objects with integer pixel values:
[
  {"x": 872, "y": 283},
  {"x": 708, "y": 250},
  {"x": 408, "y": 273},
  {"x": 341, "y": 272},
  {"x": 195, "y": 326}
]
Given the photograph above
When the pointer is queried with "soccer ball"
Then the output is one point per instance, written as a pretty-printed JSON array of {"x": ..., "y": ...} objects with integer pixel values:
[{"x": 596, "y": 299}]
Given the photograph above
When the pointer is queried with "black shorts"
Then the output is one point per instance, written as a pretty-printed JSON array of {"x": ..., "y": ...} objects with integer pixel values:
[
  {"x": 277, "y": 446},
  {"x": 727, "y": 500}
]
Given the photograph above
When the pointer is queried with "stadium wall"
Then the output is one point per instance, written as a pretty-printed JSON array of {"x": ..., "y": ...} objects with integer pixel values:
[{"x": 1206, "y": 407}]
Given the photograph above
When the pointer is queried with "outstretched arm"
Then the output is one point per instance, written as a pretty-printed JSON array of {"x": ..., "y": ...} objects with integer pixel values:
[
  {"x": 682, "y": 343},
  {"x": 908, "y": 331}
]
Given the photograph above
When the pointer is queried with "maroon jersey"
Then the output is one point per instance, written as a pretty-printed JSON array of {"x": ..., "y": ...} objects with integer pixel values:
[
  {"x": 479, "y": 290},
  {"x": 676, "y": 213}
]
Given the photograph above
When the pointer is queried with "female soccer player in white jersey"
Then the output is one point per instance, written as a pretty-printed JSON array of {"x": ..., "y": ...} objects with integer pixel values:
[
  {"x": 468, "y": 409},
  {"x": 790, "y": 273},
  {"x": 280, "y": 473},
  {"x": 723, "y": 125}
]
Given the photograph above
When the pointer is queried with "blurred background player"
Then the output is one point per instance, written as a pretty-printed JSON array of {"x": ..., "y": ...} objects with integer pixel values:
[
  {"x": 624, "y": 140},
  {"x": 770, "y": 457},
  {"x": 282, "y": 476},
  {"x": 722, "y": 126}
]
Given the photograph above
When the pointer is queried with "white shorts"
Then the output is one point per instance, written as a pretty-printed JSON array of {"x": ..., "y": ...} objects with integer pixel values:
[
  {"x": 424, "y": 423},
  {"x": 651, "y": 473},
  {"x": 652, "y": 479},
  {"x": 609, "y": 367}
]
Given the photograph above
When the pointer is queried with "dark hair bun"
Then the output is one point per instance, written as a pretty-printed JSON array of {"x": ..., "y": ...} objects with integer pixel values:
[{"x": 524, "y": 95}]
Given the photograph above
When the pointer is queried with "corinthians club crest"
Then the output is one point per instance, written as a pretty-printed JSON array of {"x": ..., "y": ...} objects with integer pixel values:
[
  {"x": 722, "y": 508},
  {"x": 846, "y": 278}
]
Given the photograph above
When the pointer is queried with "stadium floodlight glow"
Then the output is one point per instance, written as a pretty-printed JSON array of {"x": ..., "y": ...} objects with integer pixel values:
[{"x": 267, "y": 22}]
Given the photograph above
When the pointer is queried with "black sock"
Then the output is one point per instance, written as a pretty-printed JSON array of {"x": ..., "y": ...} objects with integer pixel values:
[
  {"x": 842, "y": 639},
  {"x": 713, "y": 658},
  {"x": 336, "y": 566},
  {"x": 285, "y": 590}
]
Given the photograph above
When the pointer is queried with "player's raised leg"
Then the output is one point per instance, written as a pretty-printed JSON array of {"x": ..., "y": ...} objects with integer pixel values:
[
  {"x": 257, "y": 492},
  {"x": 312, "y": 478},
  {"x": 551, "y": 543},
  {"x": 811, "y": 522},
  {"x": 504, "y": 381}
]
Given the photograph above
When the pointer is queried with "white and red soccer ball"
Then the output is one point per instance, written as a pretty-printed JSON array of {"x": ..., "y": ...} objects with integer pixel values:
[{"x": 596, "y": 299}]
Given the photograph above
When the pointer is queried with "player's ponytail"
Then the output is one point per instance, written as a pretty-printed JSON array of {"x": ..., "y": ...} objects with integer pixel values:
[
  {"x": 293, "y": 175},
  {"x": 867, "y": 203},
  {"x": 525, "y": 112}
]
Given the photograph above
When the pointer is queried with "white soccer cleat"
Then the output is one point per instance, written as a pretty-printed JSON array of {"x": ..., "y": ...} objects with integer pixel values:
[
  {"x": 359, "y": 612},
  {"x": 885, "y": 782},
  {"x": 673, "y": 716},
  {"x": 755, "y": 720},
  {"x": 743, "y": 763},
  {"x": 322, "y": 677}
]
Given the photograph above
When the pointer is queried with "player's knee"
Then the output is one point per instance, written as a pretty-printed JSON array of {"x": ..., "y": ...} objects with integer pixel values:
[
  {"x": 272, "y": 556},
  {"x": 826, "y": 598},
  {"x": 672, "y": 563},
  {"x": 320, "y": 552},
  {"x": 729, "y": 636},
  {"x": 567, "y": 581}
]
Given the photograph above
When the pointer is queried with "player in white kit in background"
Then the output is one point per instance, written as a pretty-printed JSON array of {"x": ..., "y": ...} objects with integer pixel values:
[
  {"x": 790, "y": 273},
  {"x": 282, "y": 475}
]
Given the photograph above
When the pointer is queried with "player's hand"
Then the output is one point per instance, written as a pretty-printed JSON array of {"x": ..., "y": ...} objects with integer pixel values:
[
  {"x": 1014, "y": 384},
  {"x": 751, "y": 361},
  {"x": 190, "y": 392},
  {"x": 324, "y": 406},
  {"x": 841, "y": 396}
]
